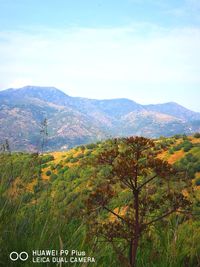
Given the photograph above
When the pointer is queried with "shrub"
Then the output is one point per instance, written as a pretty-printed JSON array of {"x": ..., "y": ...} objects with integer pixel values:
[
  {"x": 61, "y": 171},
  {"x": 27, "y": 197},
  {"x": 68, "y": 158},
  {"x": 52, "y": 167},
  {"x": 196, "y": 167},
  {"x": 72, "y": 174},
  {"x": 37, "y": 188},
  {"x": 191, "y": 158},
  {"x": 44, "y": 165},
  {"x": 53, "y": 177},
  {"x": 87, "y": 153},
  {"x": 48, "y": 173},
  {"x": 178, "y": 147},
  {"x": 197, "y": 182},
  {"x": 73, "y": 160},
  {"x": 171, "y": 151},
  {"x": 82, "y": 148},
  {"x": 58, "y": 166},
  {"x": 190, "y": 164},
  {"x": 185, "y": 137},
  {"x": 65, "y": 168},
  {"x": 80, "y": 156},
  {"x": 90, "y": 146},
  {"x": 197, "y": 135},
  {"x": 177, "y": 136},
  {"x": 187, "y": 146},
  {"x": 47, "y": 158}
]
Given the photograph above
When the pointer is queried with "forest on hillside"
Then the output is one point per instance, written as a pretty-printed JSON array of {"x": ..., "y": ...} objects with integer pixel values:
[{"x": 125, "y": 202}]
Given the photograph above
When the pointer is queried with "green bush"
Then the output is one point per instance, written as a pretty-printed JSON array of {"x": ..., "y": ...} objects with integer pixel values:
[
  {"x": 65, "y": 168},
  {"x": 52, "y": 167},
  {"x": 72, "y": 173},
  {"x": 48, "y": 173},
  {"x": 90, "y": 146},
  {"x": 53, "y": 177},
  {"x": 61, "y": 171},
  {"x": 197, "y": 182},
  {"x": 187, "y": 146},
  {"x": 185, "y": 137},
  {"x": 58, "y": 166},
  {"x": 197, "y": 135},
  {"x": 73, "y": 160},
  {"x": 47, "y": 158},
  {"x": 82, "y": 148},
  {"x": 67, "y": 160},
  {"x": 27, "y": 197},
  {"x": 178, "y": 147},
  {"x": 171, "y": 150},
  {"x": 177, "y": 136},
  {"x": 191, "y": 158},
  {"x": 190, "y": 164},
  {"x": 88, "y": 153},
  {"x": 37, "y": 188}
]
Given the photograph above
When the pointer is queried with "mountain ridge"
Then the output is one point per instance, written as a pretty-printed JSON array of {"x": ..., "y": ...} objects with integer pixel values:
[{"x": 77, "y": 120}]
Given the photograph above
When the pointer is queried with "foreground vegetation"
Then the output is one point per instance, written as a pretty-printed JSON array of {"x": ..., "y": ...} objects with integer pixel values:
[{"x": 44, "y": 205}]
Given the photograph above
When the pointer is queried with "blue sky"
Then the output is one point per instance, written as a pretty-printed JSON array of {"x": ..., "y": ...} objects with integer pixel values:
[{"x": 145, "y": 50}]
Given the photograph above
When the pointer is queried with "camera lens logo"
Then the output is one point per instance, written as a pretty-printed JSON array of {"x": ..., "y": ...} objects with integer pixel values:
[{"x": 14, "y": 256}]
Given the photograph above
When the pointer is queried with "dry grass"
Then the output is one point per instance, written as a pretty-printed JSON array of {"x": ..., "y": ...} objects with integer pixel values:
[
  {"x": 58, "y": 156},
  {"x": 44, "y": 176},
  {"x": 14, "y": 189},
  {"x": 164, "y": 155},
  {"x": 195, "y": 140},
  {"x": 30, "y": 186},
  {"x": 176, "y": 156}
]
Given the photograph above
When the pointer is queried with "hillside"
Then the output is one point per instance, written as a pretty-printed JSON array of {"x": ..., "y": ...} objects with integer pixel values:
[
  {"x": 74, "y": 120},
  {"x": 44, "y": 199}
]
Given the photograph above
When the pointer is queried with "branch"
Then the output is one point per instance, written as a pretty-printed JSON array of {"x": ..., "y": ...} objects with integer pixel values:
[
  {"x": 161, "y": 217},
  {"x": 149, "y": 180},
  {"x": 117, "y": 215},
  {"x": 129, "y": 184},
  {"x": 133, "y": 187}
]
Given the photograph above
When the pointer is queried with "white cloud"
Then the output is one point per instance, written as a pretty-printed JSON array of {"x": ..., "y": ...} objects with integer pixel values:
[{"x": 105, "y": 59}]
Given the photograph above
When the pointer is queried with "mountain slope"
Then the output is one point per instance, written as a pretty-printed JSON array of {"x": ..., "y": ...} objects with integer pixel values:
[
  {"x": 75, "y": 120},
  {"x": 174, "y": 109}
]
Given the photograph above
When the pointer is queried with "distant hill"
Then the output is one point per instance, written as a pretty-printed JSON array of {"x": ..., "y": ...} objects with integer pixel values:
[{"x": 75, "y": 120}]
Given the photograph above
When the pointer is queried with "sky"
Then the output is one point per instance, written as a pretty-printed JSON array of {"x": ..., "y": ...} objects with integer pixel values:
[{"x": 145, "y": 50}]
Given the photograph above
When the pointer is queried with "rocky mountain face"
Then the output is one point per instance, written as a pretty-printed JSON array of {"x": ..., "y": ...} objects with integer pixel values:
[{"x": 75, "y": 120}]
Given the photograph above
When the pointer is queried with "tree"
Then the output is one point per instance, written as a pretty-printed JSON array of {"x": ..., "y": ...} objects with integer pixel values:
[
  {"x": 6, "y": 150},
  {"x": 5, "y": 147},
  {"x": 151, "y": 192},
  {"x": 43, "y": 141},
  {"x": 44, "y": 134}
]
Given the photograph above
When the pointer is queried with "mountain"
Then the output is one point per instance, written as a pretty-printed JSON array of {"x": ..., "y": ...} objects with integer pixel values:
[
  {"x": 174, "y": 109},
  {"x": 75, "y": 120}
]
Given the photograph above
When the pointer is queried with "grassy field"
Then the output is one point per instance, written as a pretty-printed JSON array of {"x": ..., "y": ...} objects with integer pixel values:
[{"x": 42, "y": 206}]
